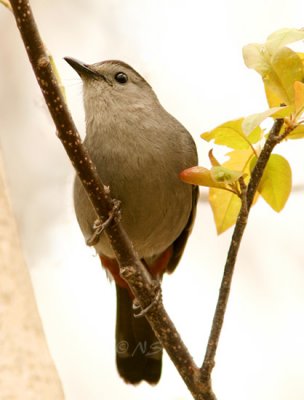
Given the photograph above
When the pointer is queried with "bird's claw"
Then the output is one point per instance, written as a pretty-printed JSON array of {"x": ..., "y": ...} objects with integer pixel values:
[
  {"x": 143, "y": 311},
  {"x": 99, "y": 226}
]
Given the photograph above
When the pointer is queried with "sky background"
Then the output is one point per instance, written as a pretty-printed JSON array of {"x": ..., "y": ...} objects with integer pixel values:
[{"x": 190, "y": 52}]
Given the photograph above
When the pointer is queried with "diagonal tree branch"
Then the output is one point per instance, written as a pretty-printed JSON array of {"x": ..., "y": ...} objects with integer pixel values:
[{"x": 132, "y": 270}]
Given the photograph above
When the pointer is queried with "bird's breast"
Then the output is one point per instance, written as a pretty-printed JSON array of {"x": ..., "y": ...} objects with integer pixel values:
[{"x": 143, "y": 174}]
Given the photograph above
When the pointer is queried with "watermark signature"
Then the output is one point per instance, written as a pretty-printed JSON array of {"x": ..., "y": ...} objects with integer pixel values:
[{"x": 143, "y": 347}]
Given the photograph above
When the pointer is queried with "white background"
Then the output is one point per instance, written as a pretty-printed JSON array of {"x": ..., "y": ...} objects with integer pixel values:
[{"x": 190, "y": 52}]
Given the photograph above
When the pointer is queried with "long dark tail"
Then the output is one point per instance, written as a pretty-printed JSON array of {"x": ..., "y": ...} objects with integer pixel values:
[{"x": 138, "y": 352}]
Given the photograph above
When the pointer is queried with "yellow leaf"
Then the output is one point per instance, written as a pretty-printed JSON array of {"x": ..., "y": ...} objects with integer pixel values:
[
  {"x": 231, "y": 134},
  {"x": 299, "y": 97},
  {"x": 275, "y": 185},
  {"x": 279, "y": 70},
  {"x": 255, "y": 57},
  {"x": 254, "y": 120},
  {"x": 286, "y": 68},
  {"x": 272, "y": 99},
  {"x": 297, "y": 133},
  {"x": 239, "y": 160},
  {"x": 283, "y": 37},
  {"x": 6, "y": 4},
  {"x": 200, "y": 176},
  {"x": 301, "y": 56},
  {"x": 57, "y": 75},
  {"x": 225, "y": 207}
]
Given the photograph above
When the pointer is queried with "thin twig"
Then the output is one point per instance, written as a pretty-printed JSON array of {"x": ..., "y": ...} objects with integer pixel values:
[
  {"x": 132, "y": 269},
  {"x": 247, "y": 199}
]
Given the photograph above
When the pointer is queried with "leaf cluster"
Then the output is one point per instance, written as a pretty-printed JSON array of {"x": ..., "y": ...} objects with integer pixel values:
[{"x": 282, "y": 73}]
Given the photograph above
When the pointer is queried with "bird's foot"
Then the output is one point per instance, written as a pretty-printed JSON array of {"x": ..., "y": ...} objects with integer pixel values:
[
  {"x": 99, "y": 226},
  {"x": 143, "y": 311}
]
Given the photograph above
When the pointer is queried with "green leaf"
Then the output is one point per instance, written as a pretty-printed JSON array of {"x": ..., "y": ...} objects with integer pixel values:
[
  {"x": 231, "y": 134},
  {"x": 275, "y": 185},
  {"x": 222, "y": 174}
]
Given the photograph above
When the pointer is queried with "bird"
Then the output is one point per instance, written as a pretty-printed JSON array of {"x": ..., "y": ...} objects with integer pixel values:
[{"x": 139, "y": 150}]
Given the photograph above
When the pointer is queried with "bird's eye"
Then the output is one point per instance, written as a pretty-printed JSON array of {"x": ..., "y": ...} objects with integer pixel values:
[{"x": 121, "y": 77}]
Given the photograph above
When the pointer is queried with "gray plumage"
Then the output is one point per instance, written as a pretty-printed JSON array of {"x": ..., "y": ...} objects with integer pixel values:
[{"x": 139, "y": 150}]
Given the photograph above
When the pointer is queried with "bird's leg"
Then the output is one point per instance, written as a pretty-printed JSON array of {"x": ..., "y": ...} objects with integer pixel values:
[
  {"x": 136, "y": 306},
  {"x": 99, "y": 226}
]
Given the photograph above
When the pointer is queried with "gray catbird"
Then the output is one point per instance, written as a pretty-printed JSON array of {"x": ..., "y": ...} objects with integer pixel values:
[{"x": 139, "y": 149}]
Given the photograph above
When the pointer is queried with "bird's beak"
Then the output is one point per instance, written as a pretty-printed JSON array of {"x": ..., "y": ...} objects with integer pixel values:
[
  {"x": 81, "y": 68},
  {"x": 85, "y": 70}
]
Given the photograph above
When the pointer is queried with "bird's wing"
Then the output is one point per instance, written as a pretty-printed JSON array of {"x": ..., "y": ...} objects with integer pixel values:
[{"x": 180, "y": 243}]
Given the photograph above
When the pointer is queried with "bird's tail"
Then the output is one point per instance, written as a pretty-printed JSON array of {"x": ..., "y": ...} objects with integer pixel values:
[{"x": 138, "y": 352}]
